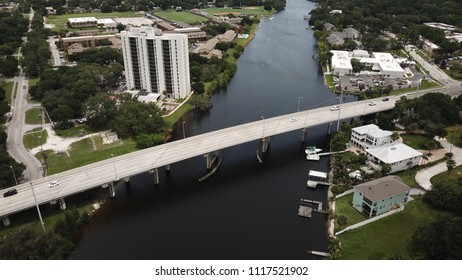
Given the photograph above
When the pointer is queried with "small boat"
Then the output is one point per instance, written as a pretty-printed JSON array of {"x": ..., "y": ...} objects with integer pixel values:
[
  {"x": 312, "y": 150},
  {"x": 271, "y": 18}
]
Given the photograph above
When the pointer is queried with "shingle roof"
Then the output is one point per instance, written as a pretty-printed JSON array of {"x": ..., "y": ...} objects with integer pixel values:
[{"x": 382, "y": 188}]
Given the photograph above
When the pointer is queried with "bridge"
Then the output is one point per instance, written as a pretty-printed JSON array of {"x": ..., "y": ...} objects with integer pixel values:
[{"x": 105, "y": 173}]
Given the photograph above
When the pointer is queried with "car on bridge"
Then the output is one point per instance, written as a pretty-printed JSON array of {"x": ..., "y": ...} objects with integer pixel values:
[
  {"x": 372, "y": 103},
  {"x": 53, "y": 184},
  {"x": 335, "y": 108},
  {"x": 385, "y": 99},
  {"x": 10, "y": 193}
]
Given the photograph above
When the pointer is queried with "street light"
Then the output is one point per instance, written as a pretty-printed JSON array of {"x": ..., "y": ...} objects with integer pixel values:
[
  {"x": 38, "y": 208},
  {"x": 298, "y": 108},
  {"x": 263, "y": 126},
  {"x": 115, "y": 169},
  {"x": 184, "y": 135},
  {"x": 12, "y": 170}
]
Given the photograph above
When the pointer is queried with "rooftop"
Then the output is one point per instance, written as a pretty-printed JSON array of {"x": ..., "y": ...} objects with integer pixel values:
[
  {"x": 382, "y": 188},
  {"x": 372, "y": 130},
  {"x": 394, "y": 153}
]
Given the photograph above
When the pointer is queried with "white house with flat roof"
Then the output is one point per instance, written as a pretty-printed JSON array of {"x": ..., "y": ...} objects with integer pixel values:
[
  {"x": 370, "y": 135},
  {"x": 399, "y": 156},
  {"x": 340, "y": 63}
]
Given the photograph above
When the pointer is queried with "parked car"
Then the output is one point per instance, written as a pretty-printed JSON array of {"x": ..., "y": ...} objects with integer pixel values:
[
  {"x": 335, "y": 108},
  {"x": 10, "y": 193},
  {"x": 53, "y": 184},
  {"x": 385, "y": 99}
]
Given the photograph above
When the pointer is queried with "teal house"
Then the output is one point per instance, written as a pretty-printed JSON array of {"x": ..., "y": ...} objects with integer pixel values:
[{"x": 380, "y": 196}]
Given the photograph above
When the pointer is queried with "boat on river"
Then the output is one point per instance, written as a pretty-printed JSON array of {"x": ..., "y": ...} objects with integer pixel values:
[{"x": 312, "y": 153}]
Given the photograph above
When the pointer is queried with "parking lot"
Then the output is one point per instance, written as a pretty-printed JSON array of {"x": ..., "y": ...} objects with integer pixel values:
[{"x": 365, "y": 80}]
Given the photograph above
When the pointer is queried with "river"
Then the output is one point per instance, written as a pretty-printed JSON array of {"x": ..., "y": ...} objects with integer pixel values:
[{"x": 247, "y": 209}]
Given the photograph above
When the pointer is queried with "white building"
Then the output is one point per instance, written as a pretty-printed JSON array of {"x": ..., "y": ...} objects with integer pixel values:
[
  {"x": 156, "y": 62},
  {"x": 429, "y": 47},
  {"x": 340, "y": 63},
  {"x": 388, "y": 66},
  {"x": 399, "y": 156},
  {"x": 107, "y": 23},
  {"x": 82, "y": 22},
  {"x": 369, "y": 136}
]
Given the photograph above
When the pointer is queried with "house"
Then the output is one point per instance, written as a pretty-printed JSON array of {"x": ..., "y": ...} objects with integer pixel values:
[
  {"x": 328, "y": 26},
  {"x": 350, "y": 33},
  {"x": 368, "y": 136},
  {"x": 228, "y": 36},
  {"x": 429, "y": 47},
  {"x": 50, "y": 11},
  {"x": 399, "y": 156},
  {"x": 335, "y": 39},
  {"x": 380, "y": 196}
]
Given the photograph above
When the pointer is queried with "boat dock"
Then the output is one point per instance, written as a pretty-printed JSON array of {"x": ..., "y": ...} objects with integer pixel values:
[
  {"x": 307, "y": 207},
  {"x": 317, "y": 178},
  {"x": 318, "y": 253}
]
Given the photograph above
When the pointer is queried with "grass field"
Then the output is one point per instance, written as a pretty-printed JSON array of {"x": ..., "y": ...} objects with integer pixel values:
[
  {"x": 35, "y": 139},
  {"x": 249, "y": 11},
  {"x": 60, "y": 21},
  {"x": 79, "y": 154},
  {"x": 416, "y": 141},
  {"x": 454, "y": 135},
  {"x": 185, "y": 17},
  {"x": 8, "y": 86},
  {"x": 451, "y": 178},
  {"x": 388, "y": 237},
  {"x": 33, "y": 116},
  {"x": 343, "y": 207}
]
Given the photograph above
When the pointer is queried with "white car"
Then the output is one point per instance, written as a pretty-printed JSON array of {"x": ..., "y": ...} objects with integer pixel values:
[
  {"x": 53, "y": 184},
  {"x": 372, "y": 103},
  {"x": 335, "y": 108}
]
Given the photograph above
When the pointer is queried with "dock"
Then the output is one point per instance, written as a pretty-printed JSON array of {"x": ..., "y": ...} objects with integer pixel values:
[
  {"x": 317, "y": 178},
  {"x": 315, "y": 205},
  {"x": 305, "y": 211},
  {"x": 318, "y": 253}
]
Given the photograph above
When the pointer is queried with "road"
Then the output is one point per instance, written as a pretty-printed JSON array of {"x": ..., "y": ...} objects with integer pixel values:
[
  {"x": 56, "y": 60},
  {"x": 15, "y": 128}
]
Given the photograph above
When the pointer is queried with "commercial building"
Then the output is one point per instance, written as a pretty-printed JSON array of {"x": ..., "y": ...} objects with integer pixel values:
[
  {"x": 340, "y": 63},
  {"x": 156, "y": 62},
  {"x": 82, "y": 22},
  {"x": 380, "y": 196}
]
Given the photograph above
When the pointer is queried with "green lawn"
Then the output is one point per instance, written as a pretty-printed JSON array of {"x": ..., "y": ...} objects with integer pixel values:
[
  {"x": 75, "y": 131},
  {"x": 60, "y": 21},
  {"x": 8, "y": 86},
  {"x": 82, "y": 153},
  {"x": 186, "y": 17},
  {"x": 33, "y": 116},
  {"x": 424, "y": 86},
  {"x": 451, "y": 178},
  {"x": 258, "y": 11},
  {"x": 416, "y": 141},
  {"x": 455, "y": 135},
  {"x": 173, "y": 118},
  {"x": 343, "y": 207},
  {"x": 387, "y": 237},
  {"x": 35, "y": 139}
]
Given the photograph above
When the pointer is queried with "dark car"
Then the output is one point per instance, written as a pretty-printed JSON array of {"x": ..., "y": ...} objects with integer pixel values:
[
  {"x": 10, "y": 193},
  {"x": 385, "y": 99}
]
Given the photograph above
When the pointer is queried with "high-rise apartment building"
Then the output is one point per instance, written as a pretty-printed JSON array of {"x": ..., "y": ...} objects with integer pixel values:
[{"x": 156, "y": 62}]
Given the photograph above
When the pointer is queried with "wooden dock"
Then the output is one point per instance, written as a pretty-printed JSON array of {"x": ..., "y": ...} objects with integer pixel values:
[
  {"x": 305, "y": 211},
  {"x": 315, "y": 205}
]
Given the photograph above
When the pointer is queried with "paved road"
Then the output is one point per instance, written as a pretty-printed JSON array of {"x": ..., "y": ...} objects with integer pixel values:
[
  {"x": 56, "y": 60},
  {"x": 15, "y": 130}
]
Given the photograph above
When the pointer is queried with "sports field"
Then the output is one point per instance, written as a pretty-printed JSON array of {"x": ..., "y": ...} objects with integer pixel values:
[
  {"x": 60, "y": 21},
  {"x": 185, "y": 17},
  {"x": 246, "y": 11}
]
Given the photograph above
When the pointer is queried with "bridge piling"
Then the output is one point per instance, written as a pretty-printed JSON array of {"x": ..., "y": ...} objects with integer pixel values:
[
  {"x": 329, "y": 128},
  {"x": 265, "y": 144},
  {"x": 155, "y": 173},
  {"x": 62, "y": 204},
  {"x": 304, "y": 130},
  {"x": 210, "y": 159},
  {"x": 127, "y": 179},
  {"x": 167, "y": 168},
  {"x": 6, "y": 221},
  {"x": 111, "y": 189}
]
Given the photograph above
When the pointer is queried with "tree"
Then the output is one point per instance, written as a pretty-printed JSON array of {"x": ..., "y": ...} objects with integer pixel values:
[
  {"x": 442, "y": 196},
  {"x": 201, "y": 102},
  {"x": 198, "y": 87},
  {"x": 149, "y": 140},
  {"x": 342, "y": 221},
  {"x": 357, "y": 65},
  {"x": 431, "y": 145},
  {"x": 386, "y": 169},
  {"x": 395, "y": 136},
  {"x": 450, "y": 164},
  {"x": 100, "y": 110}
]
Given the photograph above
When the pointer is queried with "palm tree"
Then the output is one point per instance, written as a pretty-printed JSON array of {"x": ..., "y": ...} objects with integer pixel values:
[
  {"x": 395, "y": 136},
  {"x": 386, "y": 169},
  {"x": 450, "y": 164}
]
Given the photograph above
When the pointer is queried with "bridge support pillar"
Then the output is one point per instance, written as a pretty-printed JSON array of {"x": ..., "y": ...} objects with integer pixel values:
[
  {"x": 210, "y": 159},
  {"x": 111, "y": 189},
  {"x": 167, "y": 167},
  {"x": 155, "y": 173},
  {"x": 304, "y": 130},
  {"x": 6, "y": 221},
  {"x": 329, "y": 128},
  {"x": 265, "y": 144},
  {"x": 62, "y": 204},
  {"x": 127, "y": 179}
]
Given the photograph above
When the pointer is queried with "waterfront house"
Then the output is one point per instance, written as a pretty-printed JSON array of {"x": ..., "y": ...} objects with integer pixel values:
[
  {"x": 380, "y": 196},
  {"x": 398, "y": 155},
  {"x": 370, "y": 135}
]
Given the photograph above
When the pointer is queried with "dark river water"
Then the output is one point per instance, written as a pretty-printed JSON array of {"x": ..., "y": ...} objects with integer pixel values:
[{"x": 247, "y": 209}]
